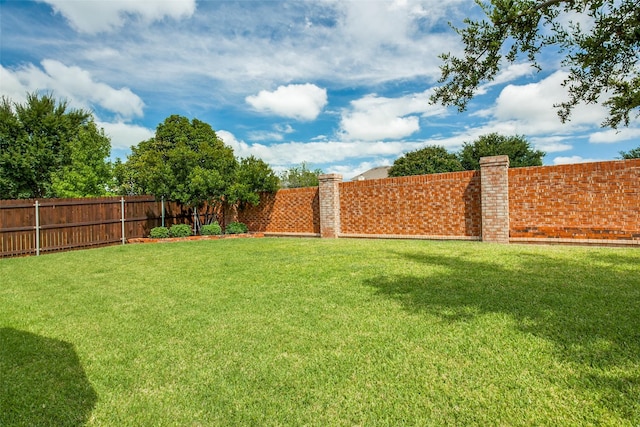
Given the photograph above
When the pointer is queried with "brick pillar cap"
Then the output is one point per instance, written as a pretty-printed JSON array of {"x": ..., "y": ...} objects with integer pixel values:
[
  {"x": 330, "y": 177},
  {"x": 494, "y": 161}
]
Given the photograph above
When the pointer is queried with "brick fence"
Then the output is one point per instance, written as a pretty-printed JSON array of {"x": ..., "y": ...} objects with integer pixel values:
[{"x": 580, "y": 203}]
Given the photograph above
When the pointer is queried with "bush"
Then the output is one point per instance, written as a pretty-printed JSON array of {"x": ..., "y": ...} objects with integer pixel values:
[
  {"x": 159, "y": 233},
  {"x": 211, "y": 229},
  {"x": 236, "y": 228},
  {"x": 180, "y": 230}
]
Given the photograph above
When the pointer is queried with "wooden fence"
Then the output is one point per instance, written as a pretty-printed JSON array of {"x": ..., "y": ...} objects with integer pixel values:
[{"x": 31, "y": 227}]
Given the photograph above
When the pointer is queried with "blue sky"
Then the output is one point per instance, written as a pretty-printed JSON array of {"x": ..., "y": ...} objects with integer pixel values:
[{"x": 342, "y": 85}]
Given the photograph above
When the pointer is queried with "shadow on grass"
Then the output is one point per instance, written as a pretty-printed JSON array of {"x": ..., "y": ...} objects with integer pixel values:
[
  {"x": 590, "y": 309},
  {"x": 41, "y": 382}
]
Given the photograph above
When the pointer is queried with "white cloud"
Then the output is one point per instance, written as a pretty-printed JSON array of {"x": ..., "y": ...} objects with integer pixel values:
[
  {"x": 572, "y": 159},
  {"x": 296, "y": 101},
  {"x": 124, "y": 135},
  {"x": 107, "y": 15},
  {"x": 508, "y": 74},
  {"x": 292, "y": 153},
  {"x": 531, "y": 108},
  {"x": 238, "y": 50},
  {"x": 73, "y": 83},
  {"x": 11, "y": 87},
  {"x": 374, "y": 118},
  {"x": 551, "y": 144},
  {"x": 372, "y": 126},
  {"x": 278, "y": 133},
  {"x": 612, "y": 135}
]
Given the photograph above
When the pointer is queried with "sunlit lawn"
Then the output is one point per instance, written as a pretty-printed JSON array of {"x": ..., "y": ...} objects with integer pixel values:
[{"x": 321, "y": 332}]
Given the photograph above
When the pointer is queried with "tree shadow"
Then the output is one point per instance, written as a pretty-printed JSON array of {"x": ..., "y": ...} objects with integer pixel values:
[
  {"x": 591, "y": 312},
  {"x": 42, "y": 382}
]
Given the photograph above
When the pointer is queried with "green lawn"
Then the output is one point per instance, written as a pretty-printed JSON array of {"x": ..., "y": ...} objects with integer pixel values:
[{"x": 295, "y": 332}]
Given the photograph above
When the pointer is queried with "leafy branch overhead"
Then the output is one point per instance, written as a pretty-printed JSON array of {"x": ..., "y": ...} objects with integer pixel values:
[{"x": 602, "y": 58}]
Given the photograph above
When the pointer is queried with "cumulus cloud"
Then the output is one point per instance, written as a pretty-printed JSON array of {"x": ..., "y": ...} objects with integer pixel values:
[
  {"x": 531, "y": 107},
  {"x": 103, "y": 16},
  {"x": 125, "y": 135},
  {"x": 296, "y": 101},
  {"x": 373, "y": 118},
  {"x": 70, "y": 82}
]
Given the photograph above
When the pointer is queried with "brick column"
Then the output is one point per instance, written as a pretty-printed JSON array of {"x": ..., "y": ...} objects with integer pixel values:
[
  {"x": 330, "y": 204},
  {"x": 494, "y": 178}
]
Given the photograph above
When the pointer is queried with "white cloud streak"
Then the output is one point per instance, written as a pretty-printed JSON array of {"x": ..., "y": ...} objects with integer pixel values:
[
  {"x": 73, "y": 83},
  {"x": 105, "y": 16},
  {"x": 612, "y": 136},
  {"x": 292, "y": 153}
]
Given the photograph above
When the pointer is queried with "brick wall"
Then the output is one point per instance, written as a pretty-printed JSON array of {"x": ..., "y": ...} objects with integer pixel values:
[
  {"x": 446, "y": 205},
  {"x": 581, "y": 201},
  {"x": 295, "y": 210}
]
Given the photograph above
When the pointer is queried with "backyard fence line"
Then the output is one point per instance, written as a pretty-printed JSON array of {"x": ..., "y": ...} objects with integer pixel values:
[
  {"x": 586, "y": 203},
  {"x": 34, "y": 226}
]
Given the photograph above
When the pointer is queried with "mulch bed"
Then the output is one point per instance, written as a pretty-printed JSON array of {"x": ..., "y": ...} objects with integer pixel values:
[{"x": 182, "y": 239}]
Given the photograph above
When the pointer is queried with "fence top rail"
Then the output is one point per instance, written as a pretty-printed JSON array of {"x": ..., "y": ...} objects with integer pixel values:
[{"x": 26, "y": 203}]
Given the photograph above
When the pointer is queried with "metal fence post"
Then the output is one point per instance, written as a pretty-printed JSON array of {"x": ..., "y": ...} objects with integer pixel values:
[
  {"x": 37, "y": 228},
  {"x": 162, "y": 211},
  {"x": 124, "y": 240}
]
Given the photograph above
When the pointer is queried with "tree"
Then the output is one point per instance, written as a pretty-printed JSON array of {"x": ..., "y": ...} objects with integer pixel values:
[
  {"x": 431, "y": 159},
  {"x": 253, "y": 176},
  {"x": 631, "y": 154},
  {"x": 602, "y": 58},
  {"x": 185, "y": 162},
  {"x": 300, "y": 176},
  {"x": 38, "y": 140},
  {"x": 88, "y": 173},
  {"x": 516, "y": 147},
  {"x": 188, "y": 163}
]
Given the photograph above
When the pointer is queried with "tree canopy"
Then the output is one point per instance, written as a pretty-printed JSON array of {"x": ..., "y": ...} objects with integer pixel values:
[
  {"x": 516, "y": 147},
  {"x": 88, "y": 173},
  {"x": 436, "y": 159},
  {"x": 631, "y": 154},
  {"x": 431, "y": 159},
  {"x": 253, "y": 176},
  {"x": 186, "y": 161},
  {"x": 49, "y": 150},
  {"x": 300, "y": 176},
  {"x": 602, "y": 58}
]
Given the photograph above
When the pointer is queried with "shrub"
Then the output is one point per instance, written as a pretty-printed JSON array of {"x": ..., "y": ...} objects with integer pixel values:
[
  {"x": 211, "y": 229},
  {"x": 159, "y": 233},
  {"x": 180, "y": 230},
  {"x": 236, "y": 228}
]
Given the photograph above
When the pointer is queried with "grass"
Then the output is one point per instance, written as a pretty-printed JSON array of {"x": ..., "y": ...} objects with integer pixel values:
[{"x": 316, "y": 332}]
